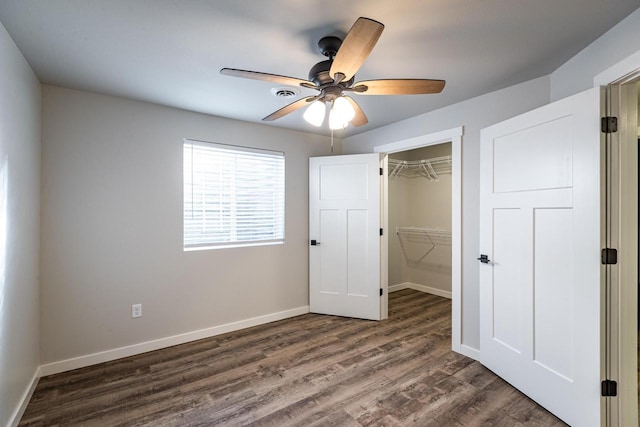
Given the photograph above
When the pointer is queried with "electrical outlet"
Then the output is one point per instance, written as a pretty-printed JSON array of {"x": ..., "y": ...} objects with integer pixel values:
[{"x": 136, "y": 310}]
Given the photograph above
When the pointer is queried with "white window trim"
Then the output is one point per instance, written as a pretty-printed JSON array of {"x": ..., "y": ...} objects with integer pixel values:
[{"x": 227, "y": 222}]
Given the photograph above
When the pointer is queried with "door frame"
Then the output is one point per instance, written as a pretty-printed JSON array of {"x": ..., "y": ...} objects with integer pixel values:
[
  {"x": 453, "y": 135},
  {"x": 622, "y": 203}
]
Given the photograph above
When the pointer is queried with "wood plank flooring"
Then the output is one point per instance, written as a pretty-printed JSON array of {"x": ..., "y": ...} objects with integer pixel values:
[{"x": 310, "y": 370}]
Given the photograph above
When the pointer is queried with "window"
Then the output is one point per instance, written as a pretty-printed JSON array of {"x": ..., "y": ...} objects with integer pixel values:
[{"x": 233, "y": 196}]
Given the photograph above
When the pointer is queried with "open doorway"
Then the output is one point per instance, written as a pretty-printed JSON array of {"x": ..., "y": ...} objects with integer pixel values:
[
  {"x": 452, "y": 137},
  {"x": 623, "y": 102},
  {"x": 621, "y": 234},
  {"x": 638, "y": 262},
  {"x": 419, "y": 220},
  {"x": 638, "y": 265}
]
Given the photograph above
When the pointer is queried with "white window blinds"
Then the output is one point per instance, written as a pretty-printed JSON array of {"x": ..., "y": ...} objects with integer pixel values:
[{"x": 232, "y": 195}]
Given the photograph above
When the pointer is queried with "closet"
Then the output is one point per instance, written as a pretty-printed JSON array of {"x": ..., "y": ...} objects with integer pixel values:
[{"x": 420, "y": 220}]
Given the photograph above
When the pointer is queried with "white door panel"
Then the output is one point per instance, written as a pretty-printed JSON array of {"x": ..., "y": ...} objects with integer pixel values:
[
  {"x": 331, "y": 253},
  {"x": 523, "y": 161},
  {"x": 553, "y": 293},
  {"x": 344, "y": 220},
  {"x": 540, "y": 306},
  {"x": 508, "y": 281}
]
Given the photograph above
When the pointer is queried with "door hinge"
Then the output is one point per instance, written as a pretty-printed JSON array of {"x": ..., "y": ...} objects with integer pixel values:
[
  {"x": 484, "y": 259},
  {"x": 609, "y": 256},
  {"x": 609, "y": 388},
  {"x": 381, "y": 232},
  {"x": 609, "y": 124},
  {"x": 380, "y": 291},
  {"x": 381, "y": 172}
]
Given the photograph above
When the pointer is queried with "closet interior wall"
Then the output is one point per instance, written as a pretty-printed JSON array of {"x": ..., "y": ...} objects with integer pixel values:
[{"x": 419, "y": 202}]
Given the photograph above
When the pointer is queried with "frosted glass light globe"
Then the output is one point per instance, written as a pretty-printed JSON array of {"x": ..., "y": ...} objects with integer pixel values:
[{"x": 315, "y": 113}]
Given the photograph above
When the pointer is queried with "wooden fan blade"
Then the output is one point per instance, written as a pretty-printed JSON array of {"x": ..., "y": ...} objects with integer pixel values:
[
  {"x": 356, "y": 47},
  {"x": 273, "y": 78},
  {"x": 360, "y": 118},
  {"x": 398, "y": 87},
  {"x": 287, "y": 109}
]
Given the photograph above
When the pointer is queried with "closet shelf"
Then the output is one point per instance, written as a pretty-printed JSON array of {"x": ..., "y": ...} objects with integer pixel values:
[
  {"x": 431, "y": 237},
  {"x": 426, "y": 168}
]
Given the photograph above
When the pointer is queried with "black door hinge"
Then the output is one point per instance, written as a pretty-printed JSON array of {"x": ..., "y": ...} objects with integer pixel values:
[
  {"x": 381, "y": 172},
  {"x": 609, "y": 256},
  {"x": 609, "y": 124},
  {"x": 609, "y": 388},
  {"x": 381, "y": 232},
  {"x": 484, "y": 259},
  {"x": 380, "y": 291}
]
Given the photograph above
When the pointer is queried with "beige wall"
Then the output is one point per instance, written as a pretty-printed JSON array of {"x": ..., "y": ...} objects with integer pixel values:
[
  {"x": 19, "y": 226},
  {"x": 112, "y": 227},
  {"x": 418, "y": 202}
]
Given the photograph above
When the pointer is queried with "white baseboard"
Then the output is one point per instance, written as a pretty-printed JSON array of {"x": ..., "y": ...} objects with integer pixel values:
[
  {"x": 132, "y": 350},
  {"x": 471, "y": 352},
  {"x": 398, "y": 287},
  {"x": 421, "y": 288},
  {"x": 26, "y": 397}
]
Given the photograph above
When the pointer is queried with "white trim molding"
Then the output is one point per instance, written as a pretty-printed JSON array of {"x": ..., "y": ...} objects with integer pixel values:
[
  {"x": 420, "y": 141},
  {"x": 420, "y": 288},
  {"x": 132, "y": 350},
  {"x": 621, "y": 350},
  {"x": 24, "y": 401},
  {"x": 453, "y": 135},
  {"x": 471, "y": 352}
]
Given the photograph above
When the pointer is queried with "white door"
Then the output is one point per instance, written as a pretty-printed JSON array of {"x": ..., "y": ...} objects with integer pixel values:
[
  {"x": 540, "y": 306},
  {"x": 344, "y": 234}
]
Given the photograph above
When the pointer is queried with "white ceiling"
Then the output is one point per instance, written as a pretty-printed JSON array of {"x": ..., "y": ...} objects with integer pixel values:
[{"x": 170, "y": 52}]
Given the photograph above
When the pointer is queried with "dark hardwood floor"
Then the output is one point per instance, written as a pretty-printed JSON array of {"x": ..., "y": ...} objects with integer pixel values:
[{"x": 310, "y": 370}]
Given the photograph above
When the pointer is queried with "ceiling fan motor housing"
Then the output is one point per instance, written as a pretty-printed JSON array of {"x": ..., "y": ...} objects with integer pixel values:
[{"x": 319, "y": 74}]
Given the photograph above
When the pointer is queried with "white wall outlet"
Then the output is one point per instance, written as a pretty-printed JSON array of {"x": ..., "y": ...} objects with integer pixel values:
[{"x": 136, "y": 310}]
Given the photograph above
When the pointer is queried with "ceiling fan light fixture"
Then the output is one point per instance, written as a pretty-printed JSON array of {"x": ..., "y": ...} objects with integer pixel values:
[
  {"x": 341, "y": 113},
  {"x": 315, "y": 113},
  {"x": 344, "y": 109},
  {"x": 335, "y": 121},
  {"x": 335, "y": 76}
]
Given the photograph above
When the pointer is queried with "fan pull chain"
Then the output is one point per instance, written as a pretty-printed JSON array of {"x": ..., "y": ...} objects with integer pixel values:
[{"x": 331, "y": 141}]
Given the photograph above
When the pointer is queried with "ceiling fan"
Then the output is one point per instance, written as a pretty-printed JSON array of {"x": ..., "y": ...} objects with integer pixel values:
[{"x": 334, "y": 78}]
